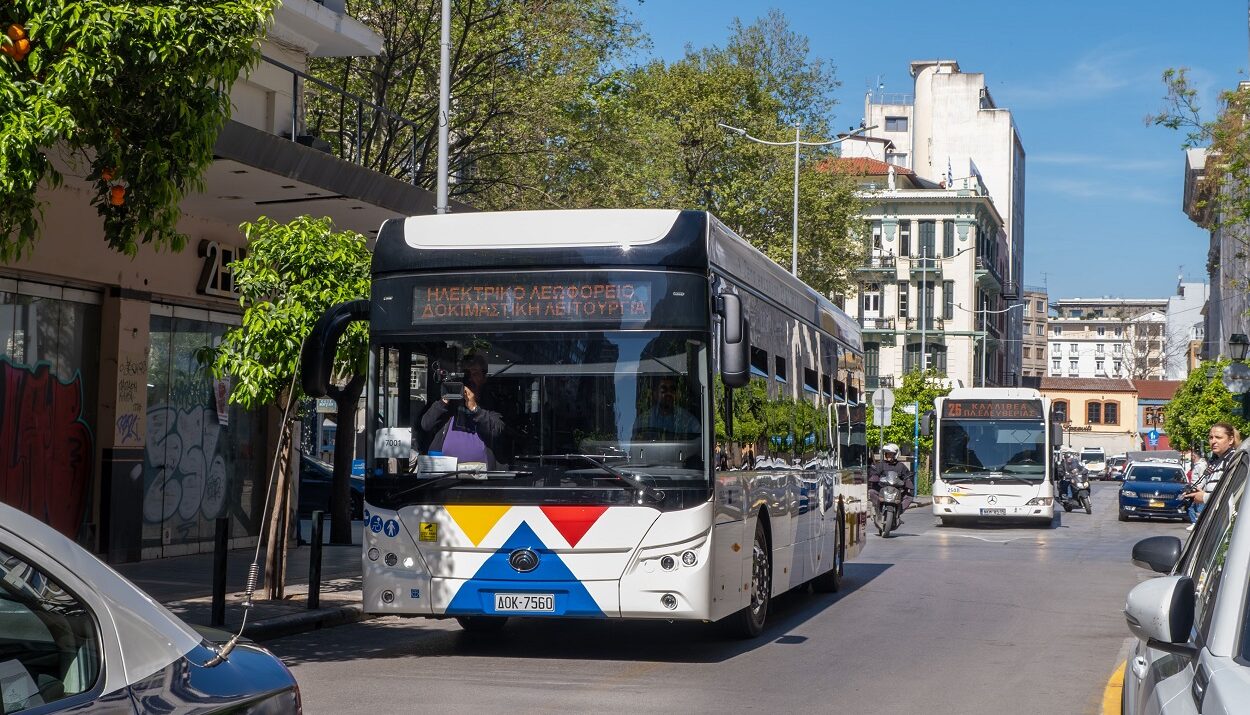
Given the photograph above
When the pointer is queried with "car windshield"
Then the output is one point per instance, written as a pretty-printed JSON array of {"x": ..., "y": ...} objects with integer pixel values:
[
  {"x": 975, "y": 449},
  {"x": 542, "y": 410},
  {"x": 1089, "y": 457},
  {"x": 1152, "y": 473}
]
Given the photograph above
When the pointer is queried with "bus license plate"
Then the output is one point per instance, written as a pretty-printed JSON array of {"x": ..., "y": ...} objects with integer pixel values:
[
  {"x": 525, "y": 602},
  {"x": 993, "y": 512}
]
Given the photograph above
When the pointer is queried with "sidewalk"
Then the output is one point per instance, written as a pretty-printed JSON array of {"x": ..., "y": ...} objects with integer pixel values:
[{"x": 184, "y": 584}]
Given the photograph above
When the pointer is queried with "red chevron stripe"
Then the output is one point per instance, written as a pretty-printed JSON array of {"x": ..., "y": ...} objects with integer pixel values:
[{"x": 573, "y": 521}]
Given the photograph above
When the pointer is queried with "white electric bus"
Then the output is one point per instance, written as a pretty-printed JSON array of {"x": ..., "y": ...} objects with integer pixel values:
[
  {"x": 992, "y": 455},
  {"x": 576, "y": 413}
]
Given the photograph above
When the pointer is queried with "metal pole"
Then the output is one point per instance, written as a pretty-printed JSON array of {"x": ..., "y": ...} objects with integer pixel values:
[
  {"x": 794, "y": 241},
  {"x": 221, "y": 545},
  {"x": 924, "y": 278},
  {"x": 915, "y": 456},
  {"x": 985, "y": 343},
  {"x": 314, "y": 561},
  {"x": 444, "y": 106}
]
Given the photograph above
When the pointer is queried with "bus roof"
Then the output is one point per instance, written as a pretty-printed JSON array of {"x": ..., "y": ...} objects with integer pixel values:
[{"x": 991, "y": 393}]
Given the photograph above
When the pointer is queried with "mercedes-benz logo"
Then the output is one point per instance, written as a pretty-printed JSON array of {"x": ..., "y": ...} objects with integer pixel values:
[
  {"x": 523, "y": 560},
  {"x": 991, "y": 499}
]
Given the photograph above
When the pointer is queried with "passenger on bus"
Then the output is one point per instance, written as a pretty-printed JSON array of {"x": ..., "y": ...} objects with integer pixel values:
[
  {"x": 465, "y": 428},
  {"x": 667, "y": 419}
]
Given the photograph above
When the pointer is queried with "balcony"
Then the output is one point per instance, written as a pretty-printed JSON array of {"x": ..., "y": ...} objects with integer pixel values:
[
  {"x": 881, "y": 330},
  {"x": 879, "y": 381},
  {"x": 988, "y": 277},
  {"x": 1011, "y": 290},
  {"x": 926, "y": 269},
  {"x": 932, "y": 323},
  {"x": 878, "y": 268}
]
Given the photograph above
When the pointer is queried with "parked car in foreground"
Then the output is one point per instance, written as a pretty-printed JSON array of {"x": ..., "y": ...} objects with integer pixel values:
[
  {"x": 1153, "y": 489},
  {"x": 1192, "y": 653},
  {"x": 77, "y": 636}
]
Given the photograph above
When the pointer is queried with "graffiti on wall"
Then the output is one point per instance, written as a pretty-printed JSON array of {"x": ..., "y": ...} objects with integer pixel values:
[
  {"x": 186, "y": 475},
  {"x": 45, "y": 445}
]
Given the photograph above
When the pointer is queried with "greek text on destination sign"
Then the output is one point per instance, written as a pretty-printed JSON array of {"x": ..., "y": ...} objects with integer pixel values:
[
  {"x": 587, "y": 300},
  {"x": 993, "y": 409}
]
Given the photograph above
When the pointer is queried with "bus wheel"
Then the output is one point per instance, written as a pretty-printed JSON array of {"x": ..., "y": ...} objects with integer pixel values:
[
  {"x": 482, "y": 624},
  {"x": 831, "y": 581},
  {"x": 749, "y": 622}
]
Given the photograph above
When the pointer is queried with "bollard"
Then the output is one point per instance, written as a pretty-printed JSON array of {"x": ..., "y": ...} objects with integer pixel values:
[
  {"x": 314, "y": 561},
  {"x": 221, "y": 543}
]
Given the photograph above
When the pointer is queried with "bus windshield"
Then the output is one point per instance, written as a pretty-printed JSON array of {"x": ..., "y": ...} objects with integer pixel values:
[
  {"x": 976, "y": 449},
  {"x": 617, "y": 410}
]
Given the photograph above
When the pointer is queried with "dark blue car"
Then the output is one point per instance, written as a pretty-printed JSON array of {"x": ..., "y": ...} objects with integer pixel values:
[{"x": 1153, "y": 489}]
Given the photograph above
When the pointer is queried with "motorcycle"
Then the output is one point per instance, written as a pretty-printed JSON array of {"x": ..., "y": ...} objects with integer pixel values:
[
  {"x": 890, "y": 491},
  {"x": 1073, "y": 490}
]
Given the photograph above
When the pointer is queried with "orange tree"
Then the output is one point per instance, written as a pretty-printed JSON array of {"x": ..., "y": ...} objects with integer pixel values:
[{"x": 129, "y": 95}]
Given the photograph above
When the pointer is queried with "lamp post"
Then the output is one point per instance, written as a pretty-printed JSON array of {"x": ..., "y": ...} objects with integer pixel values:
[
  {"x": 798, "y": 144},
  {"x": 1237, "y": 375}
]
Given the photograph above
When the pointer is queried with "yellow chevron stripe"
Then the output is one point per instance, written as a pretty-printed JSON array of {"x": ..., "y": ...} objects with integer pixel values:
[{"x": 476, "y": 521}]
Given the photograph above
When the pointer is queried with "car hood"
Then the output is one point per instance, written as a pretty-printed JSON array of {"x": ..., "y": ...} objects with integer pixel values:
[{"x": 1161, "y": 487}]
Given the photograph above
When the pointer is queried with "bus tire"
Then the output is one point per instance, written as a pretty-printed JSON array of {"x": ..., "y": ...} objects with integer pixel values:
[
  {"x": 749, "y": 622},
  {"x": 482, "y": 624},
  {"x": 831, "y": 580}
]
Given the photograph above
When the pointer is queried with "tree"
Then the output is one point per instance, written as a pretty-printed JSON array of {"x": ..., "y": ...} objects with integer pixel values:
[
  {"x": 290, "y": 276},
  {"x": 1200, "y": 402},
  {"x": 916, "y": 386},
  {"x": 131, "y": 95}
]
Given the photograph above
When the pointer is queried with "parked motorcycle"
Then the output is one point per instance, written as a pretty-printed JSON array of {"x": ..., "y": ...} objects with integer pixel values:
[
  {"x": 889, "y": 508},
  {"x": 1073, "y": 490}
]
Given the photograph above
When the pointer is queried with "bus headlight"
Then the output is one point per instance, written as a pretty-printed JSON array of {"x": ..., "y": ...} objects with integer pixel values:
[
  {"x": 944, "y": 500},
  {"x": 1039, "y": 501}
]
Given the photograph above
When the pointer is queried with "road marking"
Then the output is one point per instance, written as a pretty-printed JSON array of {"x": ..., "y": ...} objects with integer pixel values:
[
  {"x": 978, "y": 538},
  {"x": 1115, "y": 688}
]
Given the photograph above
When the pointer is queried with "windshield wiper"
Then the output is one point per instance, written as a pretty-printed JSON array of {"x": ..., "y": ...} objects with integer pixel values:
[
  {"x": 446, "y": 475},
  {"x": 643, "y": 489}
]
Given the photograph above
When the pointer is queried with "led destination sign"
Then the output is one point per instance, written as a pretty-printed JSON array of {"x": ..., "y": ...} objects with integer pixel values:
[
  {"x": 993, "y": 409},
  {"x": 535, "y": 301}
]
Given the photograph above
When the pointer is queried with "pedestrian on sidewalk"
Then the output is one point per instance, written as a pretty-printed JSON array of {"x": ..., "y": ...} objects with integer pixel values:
[{"x": 1222, "y": 439}]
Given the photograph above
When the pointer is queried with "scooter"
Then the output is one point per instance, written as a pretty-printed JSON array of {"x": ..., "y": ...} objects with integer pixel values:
[
  {"x": 889, "y": 508},
  {"x": 1073, "y": 490}
]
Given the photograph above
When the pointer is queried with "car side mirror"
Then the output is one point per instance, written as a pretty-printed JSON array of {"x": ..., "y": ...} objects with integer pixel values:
[
  {"x": 1160, "y": 612},
  {"x": 926, "y": 424},
  {"x": 735, "y": 341},
  {"x": 1056, "y": 433},
  {"x": 1157, "y": 553}
]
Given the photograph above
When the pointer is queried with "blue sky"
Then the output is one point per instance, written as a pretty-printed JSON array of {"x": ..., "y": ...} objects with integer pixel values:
[{"x": 1103, "y": 189}]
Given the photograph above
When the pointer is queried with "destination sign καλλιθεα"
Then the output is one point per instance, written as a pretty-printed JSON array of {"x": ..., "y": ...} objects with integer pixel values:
[{"x": 993, "y": 409}]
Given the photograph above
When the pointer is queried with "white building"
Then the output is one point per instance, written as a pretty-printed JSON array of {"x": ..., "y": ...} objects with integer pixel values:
[
  {"x": 935, "y": 252},
  {"x": 1110, "y": 337},
  {"x": 1184, "y": 325},
  {"x": 951, "y": 128},
  {"x": 1228, "y": 270}
]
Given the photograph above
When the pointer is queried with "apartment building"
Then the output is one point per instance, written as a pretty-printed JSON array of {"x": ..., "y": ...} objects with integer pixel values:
[
  {"x": 1110, "y": 337},
  {"x": 139, "y": 451},
  {"x": 1033, "y": 339},
  {"x": 931, "y": 290},
  {"x": 1228, "y": 269},
  {"x": 951, "y": 128}
]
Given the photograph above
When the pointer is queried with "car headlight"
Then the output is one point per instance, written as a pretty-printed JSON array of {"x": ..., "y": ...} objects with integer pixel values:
[
  {"x": 944, "y": 500},
  {"x": 1128, "y": 493},
  {"x": 1039, "y": 501}
]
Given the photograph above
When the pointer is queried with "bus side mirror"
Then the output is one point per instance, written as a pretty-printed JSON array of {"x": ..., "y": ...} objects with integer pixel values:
[
  {"x": 1056, "y": 433},
  {"x": 735, "y": 342},
  {"x": 926, "y": 424},
  {"x": 316, "y": 358}
]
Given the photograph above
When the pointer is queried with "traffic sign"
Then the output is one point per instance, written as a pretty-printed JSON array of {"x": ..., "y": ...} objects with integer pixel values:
[
  {"x": 882, "y": 417},
  {"x": 1153, "y": 437},
  {"x": 910, "y": 409},
  {"x": 883, "y": 398}
]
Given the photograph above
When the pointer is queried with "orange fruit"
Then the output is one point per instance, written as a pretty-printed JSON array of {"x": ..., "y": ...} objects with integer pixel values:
[
  {"x": 106, "y": 174},
  {"x": 117, "y": 195},
  {"x": 16, "y": 32},
  {"x": 23, "y": 49}
]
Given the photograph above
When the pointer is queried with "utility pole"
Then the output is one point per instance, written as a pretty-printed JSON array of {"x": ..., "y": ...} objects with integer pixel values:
[{"x": 444, "y": 107}]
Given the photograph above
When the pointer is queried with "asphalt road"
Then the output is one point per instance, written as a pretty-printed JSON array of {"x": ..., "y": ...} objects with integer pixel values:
[{"x": 934, "y": 620}]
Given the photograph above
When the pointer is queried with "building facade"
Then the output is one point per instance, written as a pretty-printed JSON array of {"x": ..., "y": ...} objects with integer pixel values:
[
  {"x": 1228, "y": 268},
  {"x": 930, "y": 292},
  {"x": 1095, "y": 412},
  {"x": 1109, "y": 338},
  {"x": 141, "y": 451},
  {"x": 1184, "y": 327},
  {"x": 949, "y": 128},
  {"x": 1033, "y": 351},
  {"x": 1152, "y": 397}
]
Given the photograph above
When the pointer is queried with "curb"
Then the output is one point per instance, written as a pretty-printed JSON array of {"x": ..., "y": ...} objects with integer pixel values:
[
  {"x": 295, "y": 623},
  {"x": 1112, "y": 694}
]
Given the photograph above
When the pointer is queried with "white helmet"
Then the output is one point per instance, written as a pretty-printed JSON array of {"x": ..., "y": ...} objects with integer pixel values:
[{"x": 891, "y": 447}]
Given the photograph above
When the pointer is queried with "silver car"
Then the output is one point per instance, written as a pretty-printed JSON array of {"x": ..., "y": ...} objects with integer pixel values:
[
  {"x": 1192, "y": 653},
  {"x": 76, "y": 636}
]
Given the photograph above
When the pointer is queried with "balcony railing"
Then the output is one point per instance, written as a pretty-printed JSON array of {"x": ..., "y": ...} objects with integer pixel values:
[
  {"x": 877, "y": 323},
  {"x": 879, "y": 381},
  {"x": 930, "y": 323},
  {"x": 879, "y": 263},
  {"x": 986, "y": 267},
  {"x": 371, "y": 136},
  {"x": 930, "y": 268}
]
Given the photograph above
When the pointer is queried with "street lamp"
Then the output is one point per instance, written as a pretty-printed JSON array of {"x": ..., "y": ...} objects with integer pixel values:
[
  {"x": 1237, "y": 375},
  {"x": 798, "y": 143}
]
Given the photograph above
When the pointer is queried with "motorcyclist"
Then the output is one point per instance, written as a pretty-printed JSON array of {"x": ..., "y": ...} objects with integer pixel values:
[{"x": 887, "y": 464}]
